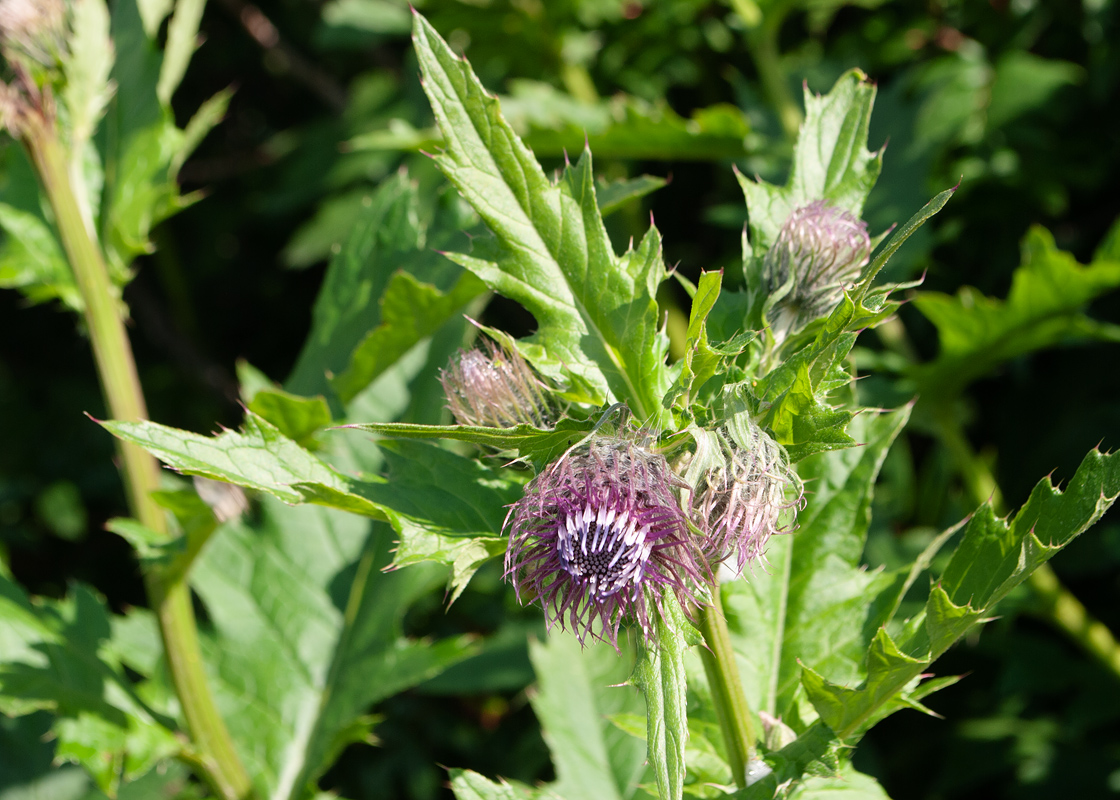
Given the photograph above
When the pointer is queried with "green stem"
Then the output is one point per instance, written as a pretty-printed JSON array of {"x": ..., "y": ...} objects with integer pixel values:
[
  {"x": 1056, "y": 604},
  {"x": 120, "y": 384},
  {"x": 727, "y": 689}
]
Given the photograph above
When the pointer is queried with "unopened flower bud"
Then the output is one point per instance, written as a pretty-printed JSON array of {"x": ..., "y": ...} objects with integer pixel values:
[
  {"x": 739, "y": 504},
  {"x": 819, "y": 253},
  {"x": 494, "y": 386},
  {"x": 33, "y": 27},
  {"x": 594, "y": 531}
]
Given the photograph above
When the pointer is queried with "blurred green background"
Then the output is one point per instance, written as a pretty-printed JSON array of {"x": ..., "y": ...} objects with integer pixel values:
[{"x": 1013, "y": 99}]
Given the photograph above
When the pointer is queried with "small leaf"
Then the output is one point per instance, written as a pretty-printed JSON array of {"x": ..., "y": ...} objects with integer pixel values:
[
  {"x": 410, "y": 311},
  {"x": 182, "y": 33},
  {"x": 298, "y": 418}
]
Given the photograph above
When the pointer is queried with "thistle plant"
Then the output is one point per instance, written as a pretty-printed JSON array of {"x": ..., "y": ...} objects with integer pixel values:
[{"x": 634, "y": 482}]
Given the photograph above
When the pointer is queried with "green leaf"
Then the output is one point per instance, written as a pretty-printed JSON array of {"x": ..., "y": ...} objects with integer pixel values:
[
  {"x": 385, "y": 264},
  {"x": 1044, "y": 308},
  {"x": 660, "y": 674},
  {"x": 307, "y": 636},
  {"x": 32, "y": 259},
  {"x": 812, "y": 605},
  {"x": 298, "y": 418},
  {"x": 1024, "y": 82},
  {"x": 469, "y": 785},
  {"x": 616, "y": 194},
  {"x": 580, "y": 690},
  {"x": 86, "y": 66},
  {"x": 847, "y": 785},
  {"x": 443, "y": 506},
  {"x": 595, "y": 311},
  {"x": 54, "y": 656},
  {"x": 831, "y": 161},
  {"x": 410, "y": 311},
  {"x": 992, "y": 558},
  {"x": 528, "y": 442},
  {"x": 553, "y": 123},
  {"x": 182, "y": 33}
]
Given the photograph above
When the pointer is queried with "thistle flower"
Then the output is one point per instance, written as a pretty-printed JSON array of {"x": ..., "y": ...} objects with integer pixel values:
[
  {"x": 495, "y": 387},
  {"x": 819, "y": 253},
  {"x": 739, "y": 503},
  {"x": 593, "y": 532}
]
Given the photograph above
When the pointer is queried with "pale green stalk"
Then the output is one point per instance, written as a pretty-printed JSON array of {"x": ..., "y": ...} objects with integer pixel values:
[
  {"x": 727, "y": 689},
  {"x": 116, "y": 369}
]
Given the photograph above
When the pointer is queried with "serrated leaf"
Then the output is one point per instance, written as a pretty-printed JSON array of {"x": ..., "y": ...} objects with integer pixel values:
[
  {"x": 992, "y": 558},
  {"x": 307, "y": 635},
  {"x": 812, "y": 603},
  {"x": 580, "y": 690},
  {"x": 468, "y": 785},
  {"x": 1044, "y": 308},
  {"x": 660, "y": 674},
  {"x": 444, "y": 507},
  {"x": 595, "y": 311},
  {"x": 388, "y": 245},
  {"x": 53, "y": 656}
]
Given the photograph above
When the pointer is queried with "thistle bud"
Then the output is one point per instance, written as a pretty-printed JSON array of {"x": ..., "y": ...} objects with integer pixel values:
[
  {"x": 594, "y": 531},
  {"x": 739, "y": 504},
  {"x": 494, "y": 386},
  {"x": 819, "y": 253},
  {"x": 33, "y": 27}
]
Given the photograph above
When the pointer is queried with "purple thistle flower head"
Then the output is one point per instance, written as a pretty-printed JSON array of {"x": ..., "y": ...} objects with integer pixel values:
[
  {"x": 819, "y": 252},
  {"x": 494, "y": 386},
  {"x": 595, "y": 530},
  {"x": 739, "y": 504}
]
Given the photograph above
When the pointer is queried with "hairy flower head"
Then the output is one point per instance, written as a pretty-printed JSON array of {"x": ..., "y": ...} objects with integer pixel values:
[
  {"x": 594, "y": 531},
  {"x": 819, "y": 252},
  {"x": 34, "y": 27},
  {"x": 495, "y": 387},
  {"x": 739, "y": 503}
]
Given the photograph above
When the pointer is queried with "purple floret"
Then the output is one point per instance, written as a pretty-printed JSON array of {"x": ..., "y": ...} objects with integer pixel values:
[{"x": 594, "y": 531}]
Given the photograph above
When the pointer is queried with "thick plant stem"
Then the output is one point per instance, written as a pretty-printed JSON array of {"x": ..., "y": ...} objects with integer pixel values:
[
  {"x": 727, "y": 689},
  {"x": 1056, "y": 604},
  {"x": 120, "y": 384}
]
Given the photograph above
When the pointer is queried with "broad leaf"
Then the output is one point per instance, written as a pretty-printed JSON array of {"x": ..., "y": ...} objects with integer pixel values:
[
  {"x": 385, "y": 263},
  {"x": 580, "y": 690},
  {"x": 596, "y": 313},
  {"x": 307, "y": 636}
]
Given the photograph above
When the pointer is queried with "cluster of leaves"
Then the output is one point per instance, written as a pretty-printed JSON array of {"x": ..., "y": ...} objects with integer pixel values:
[{"x": 305, "y": 632}]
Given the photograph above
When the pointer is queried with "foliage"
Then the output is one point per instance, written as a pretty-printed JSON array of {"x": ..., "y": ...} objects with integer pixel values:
[{"x": 361, "y": 584}]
